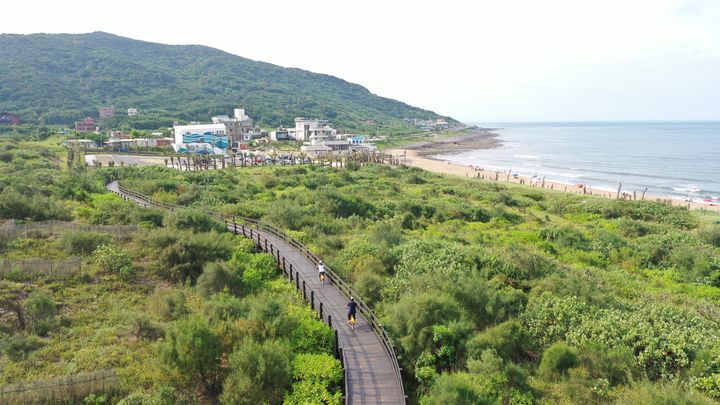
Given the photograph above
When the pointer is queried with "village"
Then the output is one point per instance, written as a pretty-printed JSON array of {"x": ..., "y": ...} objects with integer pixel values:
[{"x": 224, "y": 135}]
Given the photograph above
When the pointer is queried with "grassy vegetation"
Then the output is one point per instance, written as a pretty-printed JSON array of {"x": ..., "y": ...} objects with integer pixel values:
[
  {"x": 501, "y": 292},
  {"x": 493, "y": 293},
  {"x": 180, "y": 312}
]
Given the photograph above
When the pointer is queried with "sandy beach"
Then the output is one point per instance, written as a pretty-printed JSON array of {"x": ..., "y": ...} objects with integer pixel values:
[{"x": 421, "y": 156}]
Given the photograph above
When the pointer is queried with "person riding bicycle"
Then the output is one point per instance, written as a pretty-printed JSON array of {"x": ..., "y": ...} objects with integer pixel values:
[
  {"x": 352, "y": 309},
  {"x": 321, "y": 272}
]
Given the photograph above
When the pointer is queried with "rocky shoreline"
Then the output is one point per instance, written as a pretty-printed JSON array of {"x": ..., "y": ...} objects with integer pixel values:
[{"x": 475, "y": 138}]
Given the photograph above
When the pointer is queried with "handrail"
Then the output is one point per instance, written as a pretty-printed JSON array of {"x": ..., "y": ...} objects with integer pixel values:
[{"x": 344, "y": 288}]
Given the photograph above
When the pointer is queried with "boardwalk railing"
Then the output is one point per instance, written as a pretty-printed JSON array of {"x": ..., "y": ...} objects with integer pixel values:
[{"x": 245, "y": 226}]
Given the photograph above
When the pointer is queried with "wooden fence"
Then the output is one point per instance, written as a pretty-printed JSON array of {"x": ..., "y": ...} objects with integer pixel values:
[
  {"x": 34, "y": 268},
  {"x": 71, "y": 388},
  {"x": 10, "y": 230}
]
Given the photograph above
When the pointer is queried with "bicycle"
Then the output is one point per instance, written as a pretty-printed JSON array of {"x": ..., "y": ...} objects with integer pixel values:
[
  {"x": 322, "y": 278},
  {"x": 351, "y": 321}
]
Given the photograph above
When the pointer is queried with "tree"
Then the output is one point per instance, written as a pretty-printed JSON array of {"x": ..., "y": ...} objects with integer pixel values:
[
  {"x": 260, "y": 373},
  {"x": 194, "y": 351}
]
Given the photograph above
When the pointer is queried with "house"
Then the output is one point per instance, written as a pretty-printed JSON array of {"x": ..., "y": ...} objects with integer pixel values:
[
  {"x": 81, "y": 143},
  {"x": 120, "y": 144},
  {"x": 7, "y": 118},
  {"x": 307, "y": 127},
  {"x": 239, "y": 128},
  {"x": 86, "y": 125},
  {"x": 280, "y": 134},
  {"x": 132, "y": 112},
  {"x": 106, "y": 112},
  {"x": 117, "y": 135},
  {"x": 201, "y": 138}
]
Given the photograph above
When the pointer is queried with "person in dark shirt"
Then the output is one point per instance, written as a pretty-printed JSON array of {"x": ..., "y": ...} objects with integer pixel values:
[{"x": 352, "y": 309}]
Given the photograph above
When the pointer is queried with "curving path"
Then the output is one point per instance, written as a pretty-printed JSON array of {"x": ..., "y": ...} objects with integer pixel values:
[{"x": 371, "y": 371}]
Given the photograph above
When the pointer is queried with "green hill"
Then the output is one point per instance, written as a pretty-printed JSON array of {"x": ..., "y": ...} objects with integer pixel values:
[{"x": 59, "y": 78}]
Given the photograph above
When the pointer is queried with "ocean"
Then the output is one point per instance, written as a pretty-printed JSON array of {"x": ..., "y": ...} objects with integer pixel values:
[{"x": 679, "y": 160}]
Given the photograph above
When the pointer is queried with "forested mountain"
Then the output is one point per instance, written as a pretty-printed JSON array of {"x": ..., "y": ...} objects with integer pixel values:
[{"x": 59, "y": 78}]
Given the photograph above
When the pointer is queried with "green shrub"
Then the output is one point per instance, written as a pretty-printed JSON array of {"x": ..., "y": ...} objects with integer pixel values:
[
  {"x": 18, "y": 346},
  {"x": 646, "y": 393},
  {"x": 41, "y": 310},
  {"x": 184, "y": 255},
  {"x": 317, "y": 378},
  {"x": 507, "y": 339},
  {"x": 455, "y": 389},
  {"x": 557, "y": 360},
  {"x": 82, "y": 243},
  {"x": 711, "y": 235},
  {"x": 192, "y": 220},
  {"x": 216, "y": 277},
  {"x": 194, "y": 351},
  {"x": 260, "y": 373},
  {"x": 112, "y": 259}
]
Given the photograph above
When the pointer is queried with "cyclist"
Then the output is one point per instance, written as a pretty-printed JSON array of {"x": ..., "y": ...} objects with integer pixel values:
[
  {"x": 321, "y": 272},
  {"x": 351, "y": 308}
]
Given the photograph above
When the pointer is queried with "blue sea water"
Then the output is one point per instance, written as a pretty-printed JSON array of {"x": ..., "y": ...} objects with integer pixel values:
[{"x": 673, "y": 159}]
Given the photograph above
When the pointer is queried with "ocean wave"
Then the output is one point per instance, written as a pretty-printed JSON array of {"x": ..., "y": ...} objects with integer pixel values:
[
  {"x": 527, "y": 156},
  {"x": 687, "y": 188}
]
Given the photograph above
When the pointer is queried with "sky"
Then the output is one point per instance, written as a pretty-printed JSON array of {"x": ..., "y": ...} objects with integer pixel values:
[{"x": 477, "y": 61}]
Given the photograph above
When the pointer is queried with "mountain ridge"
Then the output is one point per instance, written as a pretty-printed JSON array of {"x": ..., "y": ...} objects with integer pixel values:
[{"x": 59, "y": 78}]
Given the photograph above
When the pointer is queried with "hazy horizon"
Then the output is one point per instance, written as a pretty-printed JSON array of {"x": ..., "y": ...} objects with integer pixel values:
[{"x": 513, "y": 62}]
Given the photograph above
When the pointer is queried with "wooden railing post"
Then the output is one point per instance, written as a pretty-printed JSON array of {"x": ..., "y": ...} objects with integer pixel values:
[
  {"x": 312, "y": 299},
  {"x": 297, "y": 280},
  {"x": 321, "y": 310},
  {"x": 291, "y": 271},
  {"x": 337, "y": 344},
  {"x": 304, "y": 293},
  {"x": 330, "y": 321}
]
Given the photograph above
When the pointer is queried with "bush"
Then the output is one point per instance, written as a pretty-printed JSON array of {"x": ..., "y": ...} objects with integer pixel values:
[
  {"x": 216, "y": 277},
  {"x": 41, "y": 310},
  {"x": 193, "y": 220},
  {"x": 82, "y": 243},
  {"x": 194, "y": 350},
  {"x": 455, "y": 389},
  {"x": 369, "y": 286},
  {"x": 556, "y": 360},
  {"x": 507, "y": 339},
  {"x": 18, "y": 346},
  {"x": 260, "y": 373},
  {"x": 317, "y": 379},
  {"x": 112, "y": 259},
  {"x": 646, "y": 393},
  {"x": 168, "y": 305},
  {"x": 185, "y": 254}
]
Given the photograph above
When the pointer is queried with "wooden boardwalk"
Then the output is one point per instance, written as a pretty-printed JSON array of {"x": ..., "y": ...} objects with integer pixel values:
[{"x": 372, "y": 375}]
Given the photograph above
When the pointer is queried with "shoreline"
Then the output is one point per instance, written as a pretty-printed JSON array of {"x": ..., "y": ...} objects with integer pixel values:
[{"x": 421, "y": 155}]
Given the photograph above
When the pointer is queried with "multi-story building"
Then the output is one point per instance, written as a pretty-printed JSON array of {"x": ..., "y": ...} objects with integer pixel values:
[
  {"x": 7, "y": 118},
  {"x": 106, "y": 112},
  {"x": 86, "y": 125},
  {"x": 201, "y": 138},
  {"x": 132, "y": 112},
  {"x": 239, "y": 128},
  {"x": 307, "y": 127}
]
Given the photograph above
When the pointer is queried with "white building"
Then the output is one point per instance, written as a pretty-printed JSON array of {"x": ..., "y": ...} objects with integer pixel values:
[
  {"x": 201, "y": 138},
  {"x": 307, "y": 127},
  {"x": 239, "y": 128},
  {"x": 132, "y": 112}
]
